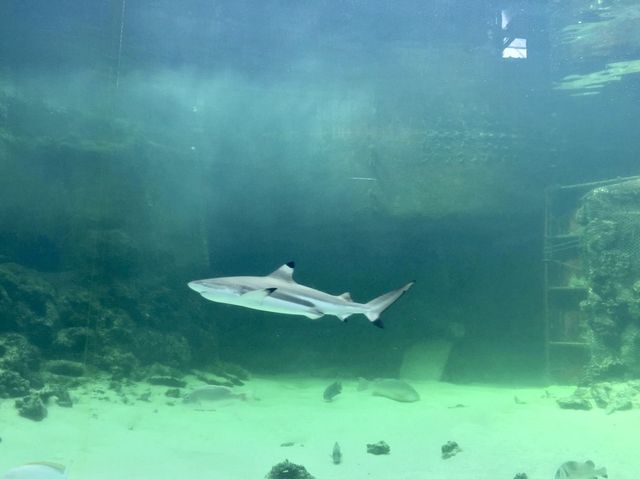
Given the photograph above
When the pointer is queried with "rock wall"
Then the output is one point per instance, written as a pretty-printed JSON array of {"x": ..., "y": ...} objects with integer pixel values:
[{"x": 610, "y": 216}]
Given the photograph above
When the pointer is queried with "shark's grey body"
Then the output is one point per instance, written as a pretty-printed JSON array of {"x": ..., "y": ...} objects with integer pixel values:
[{"x": 279, "y": 293}]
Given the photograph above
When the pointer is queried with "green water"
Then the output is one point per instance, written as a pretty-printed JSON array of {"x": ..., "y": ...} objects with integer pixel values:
[{"x": 144, "y": 145}]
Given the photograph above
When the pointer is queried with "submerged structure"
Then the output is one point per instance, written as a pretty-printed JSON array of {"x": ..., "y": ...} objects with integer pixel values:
[{"x": 610, "y": 216}]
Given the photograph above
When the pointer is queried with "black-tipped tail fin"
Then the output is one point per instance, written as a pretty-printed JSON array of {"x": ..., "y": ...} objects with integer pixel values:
[{"x": 377, "y": 306}]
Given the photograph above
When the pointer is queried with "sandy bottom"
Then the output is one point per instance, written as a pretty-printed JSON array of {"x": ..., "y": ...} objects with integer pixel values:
[{"x": 100, "y": 437}]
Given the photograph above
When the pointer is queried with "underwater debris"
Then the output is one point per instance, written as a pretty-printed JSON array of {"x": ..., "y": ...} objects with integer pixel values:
[
  {"x": 379, "y": 448},
  {"x": 336, "y": 454},
  {"x": 32, "y": 407},
  {"x": 450, "y": 449},
  {"x": 288, "y": 470},
  {"x": 332, "y": 390},
  {"x": 580, "y": 470},
  {"x": 37, "y": 470}
]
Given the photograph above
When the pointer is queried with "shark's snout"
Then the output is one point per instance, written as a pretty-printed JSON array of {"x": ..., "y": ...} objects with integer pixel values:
[{"x": 196, "y": 286}]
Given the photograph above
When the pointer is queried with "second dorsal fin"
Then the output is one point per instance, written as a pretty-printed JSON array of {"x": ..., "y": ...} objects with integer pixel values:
[
  {"x": 346, "y": 296},
  {"x": 284, "y": 272}
]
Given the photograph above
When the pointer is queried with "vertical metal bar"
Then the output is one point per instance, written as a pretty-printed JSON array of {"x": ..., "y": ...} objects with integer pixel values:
[{"x": 547, "y": 251}]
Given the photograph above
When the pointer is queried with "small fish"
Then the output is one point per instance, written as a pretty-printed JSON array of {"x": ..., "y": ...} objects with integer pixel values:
[
  {"x": 336, "y": 454},
  {"x": 332, "y": 391},
  {"x": 394, "y": 389},
  {"x": 212, "y": 393},
  {"x": 37, "y": 470},
  {"x": 580, "y": 470}
]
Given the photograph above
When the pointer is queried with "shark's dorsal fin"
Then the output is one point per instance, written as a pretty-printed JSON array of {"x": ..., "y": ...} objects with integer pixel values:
[
  {"x": 346, "y": 296},
  {"x": 284, "y": 272}
]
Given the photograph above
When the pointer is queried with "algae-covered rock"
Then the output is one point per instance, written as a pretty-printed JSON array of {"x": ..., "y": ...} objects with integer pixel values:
[
  {"x": 78, "y": 307},
  {"x": 288, "y": 470},
  {"x": 12, "y": 384},
  {"x": 169, "y": 381},
  {"x": 17, "y": 354},
  {"x": 119, "y": 362},
  {"x": 171, "y": 349},
  {"x": 73, "y": 341},
  {"x": 32, "y": 407},
  {"x": 65, "y": 367},
  {"x": 610, "y": 216},
  {"x": 27, "y": 304},
  {"x": 111, "y": 253},
  {"x": 573, "y": 402}
]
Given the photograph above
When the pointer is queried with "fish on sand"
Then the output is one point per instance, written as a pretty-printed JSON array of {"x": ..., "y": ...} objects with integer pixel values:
[
  {"x": 332, "y": 390},
  {"x": 212, "y": 393},
  {"x": 394, "y": 389},
  {"x": 37, "y": 470},
  {"x": 278, "y": 292},
  {"x": 580, "y": 470}
]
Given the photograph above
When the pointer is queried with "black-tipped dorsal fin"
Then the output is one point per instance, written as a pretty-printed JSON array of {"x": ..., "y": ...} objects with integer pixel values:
[
  {"x": 284, "y": 272},
  {"x": 346, "y": 296}
]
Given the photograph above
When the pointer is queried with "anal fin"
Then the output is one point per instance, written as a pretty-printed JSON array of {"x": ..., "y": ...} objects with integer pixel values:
[{"x": 314, "y": 314}]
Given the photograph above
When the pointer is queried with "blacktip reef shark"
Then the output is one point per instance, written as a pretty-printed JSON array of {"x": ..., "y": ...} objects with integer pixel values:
[{"x": 278, "y": 292}]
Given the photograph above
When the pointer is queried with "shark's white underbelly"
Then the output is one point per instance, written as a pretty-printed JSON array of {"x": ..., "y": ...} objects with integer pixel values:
[{"x": 311, "y": 307}]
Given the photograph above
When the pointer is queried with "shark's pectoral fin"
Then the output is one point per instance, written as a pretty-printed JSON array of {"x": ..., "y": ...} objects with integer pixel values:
[
  {"x": 284, "y": 272},
  {"x": 257, "y": 295},
  {"x": 315, "y": 314}
]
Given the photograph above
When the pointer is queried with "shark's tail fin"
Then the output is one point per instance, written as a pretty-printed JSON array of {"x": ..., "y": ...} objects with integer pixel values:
[{"x": 375, "y": 307}]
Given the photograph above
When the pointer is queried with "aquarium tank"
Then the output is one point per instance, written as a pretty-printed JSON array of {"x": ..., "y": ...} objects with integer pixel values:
[{"x": 294, "y": 239}]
